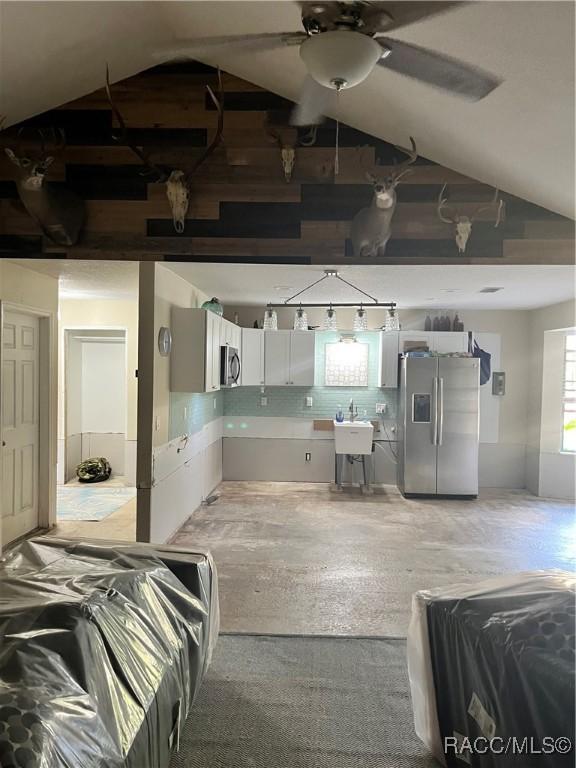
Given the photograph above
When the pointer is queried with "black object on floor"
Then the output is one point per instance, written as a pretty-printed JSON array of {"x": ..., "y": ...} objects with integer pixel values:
[
  {"x": 95, "y": 470},
  {"x": 303, "y": 702},
  {"x": 501, "y": 666}
]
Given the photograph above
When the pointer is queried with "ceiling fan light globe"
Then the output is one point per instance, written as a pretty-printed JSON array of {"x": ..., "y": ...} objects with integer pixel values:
[{"x": 340, "y": 59}]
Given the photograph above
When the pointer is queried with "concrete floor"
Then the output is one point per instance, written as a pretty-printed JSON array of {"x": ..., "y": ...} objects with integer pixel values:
[{"x": 296, "y": 558}]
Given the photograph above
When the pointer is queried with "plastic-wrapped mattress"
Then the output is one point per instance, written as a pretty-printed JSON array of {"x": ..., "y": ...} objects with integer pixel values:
[
  {"x": 492, "y": 671},
  {"x": 103, "y": 646}
]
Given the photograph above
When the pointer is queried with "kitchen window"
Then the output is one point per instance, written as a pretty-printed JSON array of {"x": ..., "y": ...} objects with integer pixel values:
[{"x": 569, "y": 394}]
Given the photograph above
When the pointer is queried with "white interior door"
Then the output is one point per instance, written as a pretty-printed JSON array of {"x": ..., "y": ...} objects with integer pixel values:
[{"x": 20, "y": 425}]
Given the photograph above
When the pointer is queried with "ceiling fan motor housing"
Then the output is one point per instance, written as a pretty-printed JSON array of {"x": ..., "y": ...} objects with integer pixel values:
[{"x": 340, "y": 59}]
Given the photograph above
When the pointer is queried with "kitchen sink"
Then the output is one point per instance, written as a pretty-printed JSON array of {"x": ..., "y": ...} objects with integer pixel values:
[{"x": 353, "y": 437}]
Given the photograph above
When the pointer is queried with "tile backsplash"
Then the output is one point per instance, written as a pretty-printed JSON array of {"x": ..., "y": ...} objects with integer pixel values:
[
  {"x": 190, "y": 412},
  {"x": 291, "y": 401}
]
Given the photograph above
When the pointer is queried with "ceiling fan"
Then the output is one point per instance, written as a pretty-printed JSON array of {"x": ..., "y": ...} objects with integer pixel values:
[{"x": 343, "y": 42}]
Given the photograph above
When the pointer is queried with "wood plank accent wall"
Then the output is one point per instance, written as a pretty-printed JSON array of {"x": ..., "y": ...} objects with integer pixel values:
[{"x": 241, "y": 208}]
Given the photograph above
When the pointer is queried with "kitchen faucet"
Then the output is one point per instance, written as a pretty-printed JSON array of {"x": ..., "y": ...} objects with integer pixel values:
[{"x": 353, "y": 413}]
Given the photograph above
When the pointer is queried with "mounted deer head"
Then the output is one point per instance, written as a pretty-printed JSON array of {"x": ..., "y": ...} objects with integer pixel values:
[
  {"x": 463, "y": 224},
  {"x": 287, "y": 138},
  {"x": 371, "y": 227},
  {"x": 178, "y": 181},
  {"x": 58, "y": 211}
]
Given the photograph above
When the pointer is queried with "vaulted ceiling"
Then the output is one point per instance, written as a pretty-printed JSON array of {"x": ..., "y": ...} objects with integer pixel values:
[{"x": 520, "y": 138}]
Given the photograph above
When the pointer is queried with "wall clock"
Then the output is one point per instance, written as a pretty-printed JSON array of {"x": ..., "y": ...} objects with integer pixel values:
[{"x": 164, "y": 341}]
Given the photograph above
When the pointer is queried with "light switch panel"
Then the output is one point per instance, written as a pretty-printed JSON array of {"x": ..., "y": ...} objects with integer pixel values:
[
  {"x": 263, "y": 401},
  {"x": 498, "y": 383},
  {"x": 309, "y": 402}
]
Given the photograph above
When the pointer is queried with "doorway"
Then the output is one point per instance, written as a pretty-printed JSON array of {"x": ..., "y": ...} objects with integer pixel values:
[
  {"x": 25, "y": 363},
  {"x": 95, "y": 398},
  {"x": 95, "y": 420}
]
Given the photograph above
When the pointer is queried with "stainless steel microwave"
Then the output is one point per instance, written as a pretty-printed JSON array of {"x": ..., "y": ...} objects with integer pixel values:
[{"x": 229, "y": 366}]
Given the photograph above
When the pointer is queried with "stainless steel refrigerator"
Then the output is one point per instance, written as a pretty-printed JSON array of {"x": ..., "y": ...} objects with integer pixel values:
[{"x": 438, "y": 426}]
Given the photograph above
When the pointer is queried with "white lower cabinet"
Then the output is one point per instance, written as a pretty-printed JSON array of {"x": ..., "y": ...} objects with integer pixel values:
[
  {"x": 252, "y": 357},
  {"x": 289, "y": 358}
]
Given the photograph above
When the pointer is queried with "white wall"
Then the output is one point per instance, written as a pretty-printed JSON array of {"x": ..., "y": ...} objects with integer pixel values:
[
  {"x": 103, "y": 315},
  {"x": 549, "y": 471},
  {"x": 173, "y": 476},
  {"x": 25, "y": 288},
  {"x": 104, "y": 387}
]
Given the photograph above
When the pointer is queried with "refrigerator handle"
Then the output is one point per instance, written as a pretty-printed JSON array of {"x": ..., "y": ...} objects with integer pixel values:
[
  {"x": 435, "y": 412},
  {"x": 440, "y": 408}
]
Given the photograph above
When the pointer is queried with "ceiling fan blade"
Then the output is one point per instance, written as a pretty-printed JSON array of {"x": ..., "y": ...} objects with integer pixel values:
[
  {"x": 449, "y": 74},
  {"x": 313, "y": 102},
  {"x": 384, "y": 17},
  {"x": 264, "y": 41}
]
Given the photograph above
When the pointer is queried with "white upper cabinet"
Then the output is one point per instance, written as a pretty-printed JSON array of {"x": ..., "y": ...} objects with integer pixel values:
[
  {"x": 450, "y": 341},
  {"x": 395, "y": 343},
  {"x": 302, "y": 346},
  {"x": 213, "y": 331},
  {"x": 289, "y": 358},
  {"x": 195, "y": 354},
  {"x": 389, "y": 359},
  {"x": 277, "y": 358},
  {"x": 230, "y": 334},
  {"x": 252, "y": 357},
  {"x": 406, "y": 340}
]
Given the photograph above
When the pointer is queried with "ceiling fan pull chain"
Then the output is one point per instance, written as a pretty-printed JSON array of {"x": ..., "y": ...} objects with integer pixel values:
[{"x": 336, "y": 159}]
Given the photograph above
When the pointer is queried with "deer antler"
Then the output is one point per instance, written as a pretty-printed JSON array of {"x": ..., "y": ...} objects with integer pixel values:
[
  {"x": 58, "y": 139},
  {"x": 442, "y": 205},
  {"x": 404, "y": 168},
  {"x": 123, "y": 137},
  {"x": 494, "y": 202},
  {"x": 309, "y": 138},
  {"x": 219, "y": 104}
]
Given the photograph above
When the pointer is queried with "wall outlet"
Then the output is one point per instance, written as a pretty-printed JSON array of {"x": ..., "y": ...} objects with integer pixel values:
[
  {"x": 185, "y": 413},
  {"x": 381, "y": 407},
  {"x": 309, "y": 402},
  {"x": 157, "y": 425},
  {"x": 215, "y": 402},
  {"x": 263, "y": 401},
  {"x": 308, "y": 456}
]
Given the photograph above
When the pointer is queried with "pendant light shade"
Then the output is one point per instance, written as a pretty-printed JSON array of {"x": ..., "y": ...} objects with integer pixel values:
[
  {"x": 361, "y": 320},
  {"x": 330, "y": 323},
  {"x": 270, "y": 320},
  {"x": 300, "y": 320},
  {"x": 392, "y": 322}
]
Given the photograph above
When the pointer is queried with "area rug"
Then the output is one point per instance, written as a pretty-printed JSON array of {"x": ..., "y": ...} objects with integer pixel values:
[
  {"x": 90, "y": 502},
  {"x": 303, "y": 702}
]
